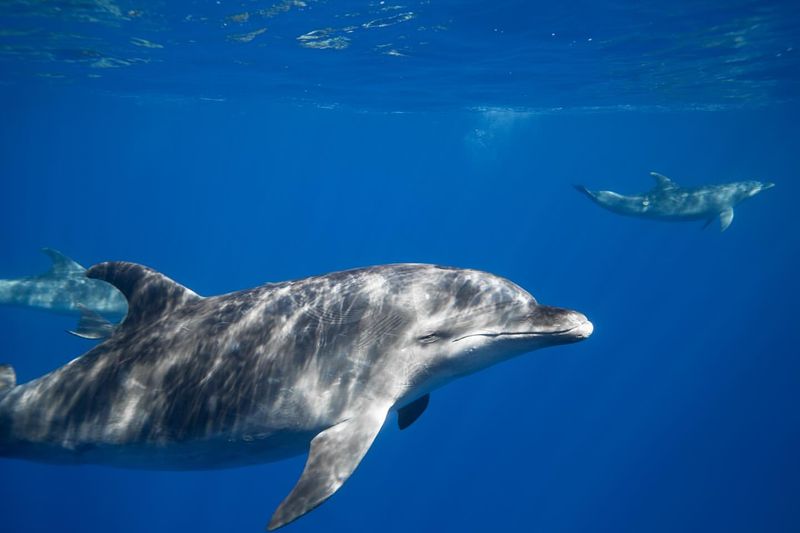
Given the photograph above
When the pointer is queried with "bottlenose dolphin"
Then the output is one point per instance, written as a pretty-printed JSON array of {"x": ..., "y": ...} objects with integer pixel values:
[
  {"x": 317, "y": 364},
  {"x": 66, "y": 289},
  {"x": 668, "y": 201}
]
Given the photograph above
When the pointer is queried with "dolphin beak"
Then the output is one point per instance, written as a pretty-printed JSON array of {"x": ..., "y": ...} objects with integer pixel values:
[
  {"x": 553, "y": 324},
  {"x": 580, "y": 327},
  {"x": 565, "y": 324},
  {"x": 584, "y": 331},
  {"x": 767, "y": 185}
]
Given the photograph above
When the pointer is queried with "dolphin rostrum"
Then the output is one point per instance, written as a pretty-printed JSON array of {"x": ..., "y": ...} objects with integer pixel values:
[
  {"x": 668, "y": 201},
  {"x": 66, "y": 289},
  {"x": 316, "y": 365}
]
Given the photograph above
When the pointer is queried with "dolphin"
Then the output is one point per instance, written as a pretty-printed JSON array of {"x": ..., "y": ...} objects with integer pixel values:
[
  {"x": 316, "y": 364},
  {"x": 65, "y": 289},
  {"x": 669, "y": 201}
]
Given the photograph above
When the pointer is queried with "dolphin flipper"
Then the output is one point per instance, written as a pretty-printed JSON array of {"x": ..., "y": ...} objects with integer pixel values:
[
  {"x": 725, "y": 218},
  {"x": 334, "y": 455},
  {"x": 91, "y": 325},
  {"x": 409, "y": 414}
]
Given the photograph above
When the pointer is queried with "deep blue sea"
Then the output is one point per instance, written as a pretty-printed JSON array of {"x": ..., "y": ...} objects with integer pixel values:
[{"x": 232, "y": 143}]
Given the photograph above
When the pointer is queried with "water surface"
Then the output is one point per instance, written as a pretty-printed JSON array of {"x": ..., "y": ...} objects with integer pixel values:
[{"x": 228, "y": 144}]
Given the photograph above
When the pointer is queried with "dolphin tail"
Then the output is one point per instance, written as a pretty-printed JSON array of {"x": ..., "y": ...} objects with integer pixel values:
[
  {"x": 92, "y": 326},
  {"x": 584, "y": 190},
  {"x": 8, "y": 379}
]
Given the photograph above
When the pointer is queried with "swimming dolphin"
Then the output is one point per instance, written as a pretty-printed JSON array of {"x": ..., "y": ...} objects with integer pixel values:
[
  {"x": 668, "y": 201},
  {"x": 317, "y": 364},
  {"x": 66, "y": 289}
]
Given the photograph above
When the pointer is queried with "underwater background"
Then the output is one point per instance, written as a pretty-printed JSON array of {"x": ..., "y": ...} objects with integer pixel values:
[{"x": 229, "y": 144}]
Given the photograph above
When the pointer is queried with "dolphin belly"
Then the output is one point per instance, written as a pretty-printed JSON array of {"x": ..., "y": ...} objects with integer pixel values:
[
  {"x": 86, "y": 413},
  {"x": 226, "y": 451}
]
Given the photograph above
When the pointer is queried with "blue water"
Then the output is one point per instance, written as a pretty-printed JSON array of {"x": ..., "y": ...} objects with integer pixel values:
[{"x": 181, "y": 136}]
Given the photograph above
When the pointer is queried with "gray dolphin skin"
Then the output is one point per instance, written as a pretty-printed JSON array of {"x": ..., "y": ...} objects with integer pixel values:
[
  {"x": 316, "y": 365},
  {"x": 66, "y": 289},
  {"x": 668, "y": 201}
]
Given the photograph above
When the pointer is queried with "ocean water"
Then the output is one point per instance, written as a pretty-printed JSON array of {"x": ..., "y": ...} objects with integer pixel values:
[{"x": 229, "y": 144}]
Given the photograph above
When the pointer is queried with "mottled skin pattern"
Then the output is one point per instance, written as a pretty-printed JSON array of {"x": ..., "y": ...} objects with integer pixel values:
[
  {"x": 63, "y": 289},
  {"x": 187, "y": 382},
  {"x": 668, "y": 201}
]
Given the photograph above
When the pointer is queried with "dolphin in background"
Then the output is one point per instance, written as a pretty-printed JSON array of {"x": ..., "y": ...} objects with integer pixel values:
[
  {"x": 313, "y": 365},
  {"x": 669, "y": 201},
  {"x": 65, "y": 289}
]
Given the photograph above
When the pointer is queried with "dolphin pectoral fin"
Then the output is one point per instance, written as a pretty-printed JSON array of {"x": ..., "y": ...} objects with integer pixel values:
[
  {"x": 708, "y": 222},
  {"x": 334, "y": 455},
  {"x": 409, "y": 414},
  {"x": 725, "y": 218},
  {"x": 92, "y": 326}
]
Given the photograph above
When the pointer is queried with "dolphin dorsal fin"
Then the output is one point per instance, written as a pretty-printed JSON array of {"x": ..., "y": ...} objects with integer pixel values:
[
  {"x": 8, "y": 378},
  {"x": 62, "y": 265},
  {"x": 663, "y": 182},
  {"x": 150, "y": 294}
]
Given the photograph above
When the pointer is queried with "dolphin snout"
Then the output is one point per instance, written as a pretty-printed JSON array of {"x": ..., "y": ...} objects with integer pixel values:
[
  {"x": 583, "y": 330},
  {"x": 758, "y": 187},
  {"x": 577, "y": 326},
  {"x": 561, "y": 322}
]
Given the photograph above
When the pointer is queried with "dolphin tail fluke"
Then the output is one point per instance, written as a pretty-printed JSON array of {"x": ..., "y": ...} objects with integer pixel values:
[
  {"x": 8, "y": 378},
  {"x": 92, "y": 326},
  {"x": 584, "y": 190}
]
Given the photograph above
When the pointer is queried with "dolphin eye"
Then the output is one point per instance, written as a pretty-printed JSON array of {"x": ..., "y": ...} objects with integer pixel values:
[
  {"x": 431, "y": 337},
  {"x": 428, "y": 339}
]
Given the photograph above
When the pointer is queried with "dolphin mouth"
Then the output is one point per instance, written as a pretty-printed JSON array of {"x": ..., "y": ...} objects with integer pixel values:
[{"x": 579, "y": 332}]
